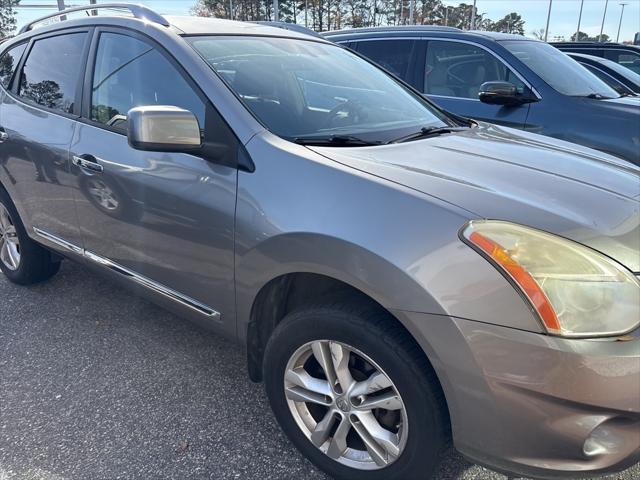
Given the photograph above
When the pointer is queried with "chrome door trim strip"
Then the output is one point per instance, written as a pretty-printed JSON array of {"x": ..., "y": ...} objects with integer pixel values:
[
  {"x": 131, "y": 275},
  {"x": 59, "y": 241},
  {"x": 151, "y": 285}
]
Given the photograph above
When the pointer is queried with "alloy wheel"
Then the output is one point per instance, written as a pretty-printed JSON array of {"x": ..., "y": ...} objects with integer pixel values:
[
  {"x": 346, "y": 405},
  {"x": 9, "y": 243}
]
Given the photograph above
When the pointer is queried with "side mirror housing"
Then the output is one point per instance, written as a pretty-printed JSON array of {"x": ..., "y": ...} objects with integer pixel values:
[
  {"x": 501, "y": 93},
  {"x": 163, "y": 128}
]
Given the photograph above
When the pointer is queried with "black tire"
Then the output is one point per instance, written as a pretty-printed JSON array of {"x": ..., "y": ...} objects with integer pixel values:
[
  {"x": 371, "y": 331},
  {"x": 37, "y": 264}
]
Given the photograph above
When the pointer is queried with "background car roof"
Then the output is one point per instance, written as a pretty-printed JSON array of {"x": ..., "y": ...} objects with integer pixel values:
[{"x": 418, "y": 30}]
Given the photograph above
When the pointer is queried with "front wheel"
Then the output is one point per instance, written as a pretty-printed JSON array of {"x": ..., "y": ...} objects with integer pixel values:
[{"x": 355, "y": 394}]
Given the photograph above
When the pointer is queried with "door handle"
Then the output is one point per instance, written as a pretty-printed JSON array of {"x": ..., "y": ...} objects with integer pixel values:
[
  {"x": 87, "y": 162},
  {"x": 4, "y": 136}
]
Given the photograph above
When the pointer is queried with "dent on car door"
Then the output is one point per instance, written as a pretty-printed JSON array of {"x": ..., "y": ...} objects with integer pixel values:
[
  {"x": 165, "y": 219},
  {"x": 38, "y": 121},
  {"x": 453, "y": 74}
]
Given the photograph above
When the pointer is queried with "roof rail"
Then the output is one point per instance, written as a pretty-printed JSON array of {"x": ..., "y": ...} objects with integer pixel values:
[{"x": 138, "y": 11}]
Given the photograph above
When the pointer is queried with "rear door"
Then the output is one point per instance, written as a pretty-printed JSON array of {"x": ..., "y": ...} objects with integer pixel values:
[
  {"x": 453, "y": 73},
  {"x": 399, "y": 56},
  {"x": 39, "y": 113},
  {"x": 164, "y": 220}
]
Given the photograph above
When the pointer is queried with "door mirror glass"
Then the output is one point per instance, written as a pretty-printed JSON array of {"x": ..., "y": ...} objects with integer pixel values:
[
  {"x": 163, "y": 128},
  {"x": 500, "y": 93}
]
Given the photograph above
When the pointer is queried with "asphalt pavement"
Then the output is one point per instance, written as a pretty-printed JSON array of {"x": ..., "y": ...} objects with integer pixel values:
[{"x": 96, "y": 384}]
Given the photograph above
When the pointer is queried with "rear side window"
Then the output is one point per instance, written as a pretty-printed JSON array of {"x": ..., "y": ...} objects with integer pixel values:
[
  {"x": 9, "y": 63},
  {"x": 393, "y": 55},
  {"x": 131, "y": 73},
  {"x": 51, "y": 74}
]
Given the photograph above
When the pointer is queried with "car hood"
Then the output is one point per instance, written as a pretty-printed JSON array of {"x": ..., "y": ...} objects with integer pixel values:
[{"x": 501, "y": 173}]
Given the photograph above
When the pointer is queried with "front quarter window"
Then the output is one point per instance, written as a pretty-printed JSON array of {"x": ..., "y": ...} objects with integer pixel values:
[
  {"x": 307, "y": 89},
  {"x": 558, "y": 70}
]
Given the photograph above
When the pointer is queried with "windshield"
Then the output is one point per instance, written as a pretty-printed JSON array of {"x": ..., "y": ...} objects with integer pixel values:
[
  {"x": 303, "y": 89},
  {"x": 559, "y": 70}
]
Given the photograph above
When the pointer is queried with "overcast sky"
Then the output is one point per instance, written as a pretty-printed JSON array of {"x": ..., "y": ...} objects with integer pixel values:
[{"x": 564, "y": 13}]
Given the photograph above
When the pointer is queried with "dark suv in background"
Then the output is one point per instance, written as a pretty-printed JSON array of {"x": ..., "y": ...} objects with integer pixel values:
[
  {"x": 505, "y": 79},
  {"x": 625, "y": 55}
]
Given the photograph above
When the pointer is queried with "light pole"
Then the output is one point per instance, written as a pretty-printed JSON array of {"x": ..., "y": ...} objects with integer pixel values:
[
  {"x": 579, "y": 20},
  {"x": 546, "y": 30},
  {"x": 446, "y": 16},
  {"x": 411, "y": 8},
  {"x": 231, "y": 9},
  {"x": 604, "y": 15},
  {"x": 276, "y": 13},
  {"x": 620, "y": 23},
  {"x": 473, "y": 16},
  {"x": 306, "y": 9}
]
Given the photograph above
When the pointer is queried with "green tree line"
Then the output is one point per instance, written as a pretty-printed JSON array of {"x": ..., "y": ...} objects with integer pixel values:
[{"x": 322, "y": 15}]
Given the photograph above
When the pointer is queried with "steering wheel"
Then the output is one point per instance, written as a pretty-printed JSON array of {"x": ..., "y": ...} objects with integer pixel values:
[{"x": 353, "y": 110}]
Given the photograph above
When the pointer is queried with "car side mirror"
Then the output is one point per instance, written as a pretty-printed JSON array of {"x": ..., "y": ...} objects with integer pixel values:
[
  {"x": 162, "y": 128},
  {"x": 501, "y": 93}
]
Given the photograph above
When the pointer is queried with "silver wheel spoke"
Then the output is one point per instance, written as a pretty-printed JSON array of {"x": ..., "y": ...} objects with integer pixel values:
[
  {"x": 322, "y": 353},
  {"x": 9, "y": 254},
  {"x": 338, "y": 443},
  {"x": 381, "y": 444},
  {"x": 300, "y": 378},
  {"x": 299, "y": 394},
  {"x": 340, "y": 357},
  {"x": 323, "y": 429},
  {"x": 387, "y": 401},
  {"x": 375, "y": 383}
]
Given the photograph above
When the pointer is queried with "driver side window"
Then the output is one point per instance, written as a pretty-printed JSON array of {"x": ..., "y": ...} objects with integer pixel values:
[
  {"x": 130, "y": 73},
  {"x": 455, "y": 69}
]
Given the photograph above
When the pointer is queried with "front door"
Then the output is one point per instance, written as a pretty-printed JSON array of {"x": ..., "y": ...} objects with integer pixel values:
[
  {"x": 453, "y": 74},
  {"x": 165, "y": 220}
]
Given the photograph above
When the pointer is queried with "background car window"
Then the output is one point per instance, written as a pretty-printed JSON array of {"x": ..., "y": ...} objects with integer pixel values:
[
  {"x": 51, "y": 74},
  {"x": 130, "y": 73},
  {"x": 558, "y": 70},
  {"x": 630, "y": 60},
  {"x": 392, "y": 55},
  {"x": 606, "y": 78},
  {"x": 455, "y": 69},
  {"x": 9, "y": 63}
]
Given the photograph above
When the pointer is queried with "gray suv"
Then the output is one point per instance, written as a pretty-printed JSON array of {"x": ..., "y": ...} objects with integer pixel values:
[{"x": 400, "y": 278}]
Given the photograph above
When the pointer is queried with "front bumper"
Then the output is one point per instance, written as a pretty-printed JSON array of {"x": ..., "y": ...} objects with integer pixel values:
[{"x": 533, "y": 404}]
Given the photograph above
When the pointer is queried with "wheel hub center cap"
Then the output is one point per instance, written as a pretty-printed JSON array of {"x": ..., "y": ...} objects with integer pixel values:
[{"x": 342, "y": 404}]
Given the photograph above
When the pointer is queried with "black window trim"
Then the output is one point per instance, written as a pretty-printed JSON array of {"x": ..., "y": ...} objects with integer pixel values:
[
  {"x": 14, "y": 92},
  {"x": 242, "y": 161}
]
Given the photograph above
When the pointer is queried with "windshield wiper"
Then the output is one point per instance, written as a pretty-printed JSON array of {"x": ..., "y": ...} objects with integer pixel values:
[
  {"x": 597, "y": 96},
  {"x": 428, "y": 132},
  {"x": 334, "y": 141}
]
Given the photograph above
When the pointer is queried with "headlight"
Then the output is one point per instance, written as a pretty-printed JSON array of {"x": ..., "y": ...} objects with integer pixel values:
[{"x": 576, "y": 291}]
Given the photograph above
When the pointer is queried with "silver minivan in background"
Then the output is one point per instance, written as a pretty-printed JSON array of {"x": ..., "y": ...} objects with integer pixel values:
[{"x": 400, "y": 278}]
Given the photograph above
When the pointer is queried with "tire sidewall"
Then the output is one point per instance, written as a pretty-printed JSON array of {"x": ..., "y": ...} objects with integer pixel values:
[{"x": 424, "y": 442}]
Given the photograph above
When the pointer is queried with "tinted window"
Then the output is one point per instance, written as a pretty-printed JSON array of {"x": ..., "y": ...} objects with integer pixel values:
[
  {"x": 51, "y": 74},
  {"x": 392, "y": 55},
  {"x": 130, "y": 73},
  {"x": 558, "y": 70},
  {"x": 301, "y": 88},
  {"x": 9, "y": 63},
  {"x": 628, "y": 59},
  {"x": 606, "y": 78},
  {"x": 457, "y": 69}
]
